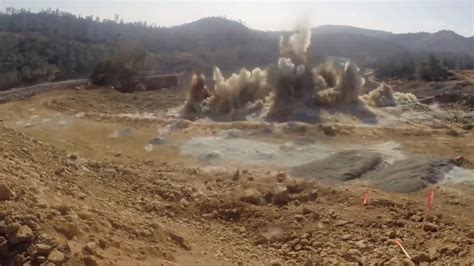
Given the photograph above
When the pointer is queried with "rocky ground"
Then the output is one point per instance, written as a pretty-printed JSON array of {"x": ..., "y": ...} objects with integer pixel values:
[
  {"x": 60, "y": 208},
  {"x": 72, "y": 195}
]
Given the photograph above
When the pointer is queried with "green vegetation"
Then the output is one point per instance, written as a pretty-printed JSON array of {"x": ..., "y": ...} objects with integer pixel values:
[
  {"x": 28, "y": 55},
  {"x": 122, "y": 71},
  {"x": 119, "y": 76},
  {"x": 421, "y": 66},
  {"x": 52, "y": 45}
]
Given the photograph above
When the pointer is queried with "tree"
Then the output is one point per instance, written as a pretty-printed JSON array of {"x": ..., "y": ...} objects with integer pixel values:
[{"x": 420, "y": 71}]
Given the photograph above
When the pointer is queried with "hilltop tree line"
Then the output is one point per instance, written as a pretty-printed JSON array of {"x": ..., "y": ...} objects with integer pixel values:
[
  {"x": 53, "y": 45},
  {"x": 35, "y": 45},
  {"x": 32, "y": 45},
  {"x": 421, "y": 66}
]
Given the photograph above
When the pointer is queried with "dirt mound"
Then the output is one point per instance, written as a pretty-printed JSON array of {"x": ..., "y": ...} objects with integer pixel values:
[
  {"x": 410, "y": 175},
  {"x": 343, "y": 166},
  {"x": 402, "y": 176}
]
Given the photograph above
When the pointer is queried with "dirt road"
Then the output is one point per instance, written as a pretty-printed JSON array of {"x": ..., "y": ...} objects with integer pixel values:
[
  {"x": 462, "y": 76},
  {"x": 22, "y": 93}
]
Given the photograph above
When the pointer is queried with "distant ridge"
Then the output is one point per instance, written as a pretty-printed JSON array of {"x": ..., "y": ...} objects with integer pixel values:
[
  {"x": 53, "y": 45},
  {"x": 441, "y": 41},
  {"x": 351, "y": 30}
]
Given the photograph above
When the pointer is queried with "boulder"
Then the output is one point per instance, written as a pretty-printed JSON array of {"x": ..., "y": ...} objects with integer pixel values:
[
  {"x": 295, "y": 187},
  {"x": 306, "y": 210},
  {"x": 69, "y": 230},
  {"x": 361, "y": 245},
  {"x": 56, "y": 257},
  {"x": 41, "y": 259},
  {"x": 470, "y": 235},
  {"x": 421, "y": 257},
  {"x": 184, "y": 202},
  {"x": 236, "y": 175},
  {"x": 281, "y": 176},
  {"x": 281, "y": 196},
  {"x": 430, "y": 227},
  {"x": 299, "y": 217},
  {"x": 392, "y": 234},
  {"x": 179, "y": 240},
  {"x": 449, "y": 249},
  {"x": 353, "y": 255},
  {"x": 416, "y": 218},
  {"x": 90, "y": 260},
  {"x": 6, "y": 192},
  {"x": 252, "y": 196},
  {"x": 328, "y": 130},
  {"x": 433, "y": 253},
  {"x": 346, "y": 237},
  {"x": 313, "y": 194},
  {"x": 90, "y": 248},
  {"x": 42, "y": 249},
  {"x": 3, "y": 246},
  {"x": 23, "y": 234}
]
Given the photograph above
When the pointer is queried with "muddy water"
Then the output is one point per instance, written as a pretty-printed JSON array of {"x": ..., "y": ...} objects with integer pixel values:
[
  {"x": 385, "y": 165},
  {"x": 459, "y": 175},
  {"x": 56, "y": 120},
  {"x": 220, "y": 150},
  {"x": 230, "y": 148}
]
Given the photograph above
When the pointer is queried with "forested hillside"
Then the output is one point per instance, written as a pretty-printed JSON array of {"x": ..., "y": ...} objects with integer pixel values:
[{"x": 53, "y": 45}]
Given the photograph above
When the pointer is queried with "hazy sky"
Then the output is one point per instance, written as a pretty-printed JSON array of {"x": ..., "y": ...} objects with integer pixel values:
[{"x": 392, "y": 15}]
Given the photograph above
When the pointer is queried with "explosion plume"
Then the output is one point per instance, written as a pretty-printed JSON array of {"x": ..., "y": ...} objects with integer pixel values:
[
  {"x": 284, "y": 91},
  {"x": 383, "y": 96},
  {"x": 196, "y": 95}
]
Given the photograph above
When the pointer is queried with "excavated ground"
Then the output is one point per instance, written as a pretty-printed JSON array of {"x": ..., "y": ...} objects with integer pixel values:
[{"x": 96, "y": 177}]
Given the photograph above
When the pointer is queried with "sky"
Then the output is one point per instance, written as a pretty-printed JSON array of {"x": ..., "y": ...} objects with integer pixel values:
[{"x": 397, "y": 16}]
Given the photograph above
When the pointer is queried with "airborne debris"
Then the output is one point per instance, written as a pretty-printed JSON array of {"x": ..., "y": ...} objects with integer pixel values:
[{"x": 291, "y": 90}]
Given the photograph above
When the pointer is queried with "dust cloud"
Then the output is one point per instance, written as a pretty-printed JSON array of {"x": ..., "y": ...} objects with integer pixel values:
[
  {"x": 282, "y": 91},
  {"x": 383, "y": 96}
]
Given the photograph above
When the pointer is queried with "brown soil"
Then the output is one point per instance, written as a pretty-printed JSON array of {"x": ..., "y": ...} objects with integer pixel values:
[{"x": 73, "y": 195}]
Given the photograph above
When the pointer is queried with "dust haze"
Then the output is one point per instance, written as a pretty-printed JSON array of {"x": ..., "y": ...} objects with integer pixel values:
[{"x": 275, "y": 92}]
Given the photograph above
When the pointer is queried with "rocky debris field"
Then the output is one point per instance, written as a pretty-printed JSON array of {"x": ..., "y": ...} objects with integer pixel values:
[
  {"x": 455, "y": 93},
  {"x": 58, "y": 208},
  {"x": 113, "y": 188}
]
